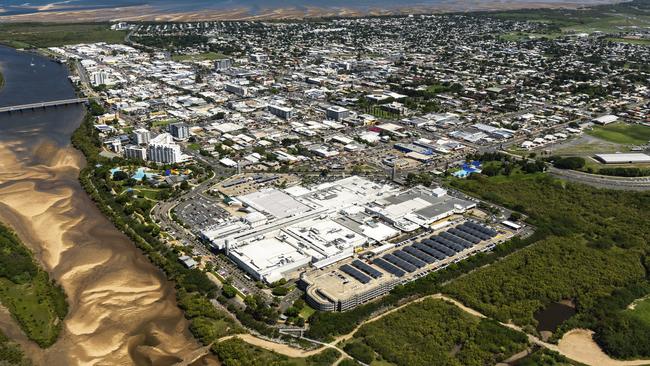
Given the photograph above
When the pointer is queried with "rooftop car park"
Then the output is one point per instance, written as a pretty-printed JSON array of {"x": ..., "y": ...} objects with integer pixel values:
[{"x": 358, "y": 281}]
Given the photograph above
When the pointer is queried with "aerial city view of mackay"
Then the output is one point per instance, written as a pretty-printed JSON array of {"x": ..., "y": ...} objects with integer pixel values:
[{"x": 324, "y": 182}]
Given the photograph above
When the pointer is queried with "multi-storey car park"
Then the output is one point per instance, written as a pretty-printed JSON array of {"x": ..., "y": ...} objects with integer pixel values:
[
  {"x": 343, "y": 239},
  {"x": 342, "y": 287}
]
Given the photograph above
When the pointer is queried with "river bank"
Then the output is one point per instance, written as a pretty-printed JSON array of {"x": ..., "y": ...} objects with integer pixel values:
[{"x": 122, "y": 309}]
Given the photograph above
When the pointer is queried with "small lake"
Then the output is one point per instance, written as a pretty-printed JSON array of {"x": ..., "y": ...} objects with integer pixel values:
[{"x": 553, "y": 316}]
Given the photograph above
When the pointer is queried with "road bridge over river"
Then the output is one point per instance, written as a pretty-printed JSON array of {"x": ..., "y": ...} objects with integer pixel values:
[{"x": 33, "y": 106}]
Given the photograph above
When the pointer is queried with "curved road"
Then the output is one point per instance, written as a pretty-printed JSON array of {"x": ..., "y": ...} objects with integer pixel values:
[
  {"x": 603, "y": 181},
  {"x": 576, "y": 344}
]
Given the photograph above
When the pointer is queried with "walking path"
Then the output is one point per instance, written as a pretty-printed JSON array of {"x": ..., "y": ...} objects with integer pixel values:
[{"x": 577, "y": 344}]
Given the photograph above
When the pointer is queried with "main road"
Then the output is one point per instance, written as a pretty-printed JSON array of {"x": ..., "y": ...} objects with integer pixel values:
[{"x": 603, "y": 181}]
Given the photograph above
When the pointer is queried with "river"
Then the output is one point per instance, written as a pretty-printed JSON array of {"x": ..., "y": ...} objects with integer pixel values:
[{"x": 122, "y": 309}]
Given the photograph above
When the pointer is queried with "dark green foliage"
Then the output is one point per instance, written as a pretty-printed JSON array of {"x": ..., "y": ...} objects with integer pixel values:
[
  {"x": 11, "y": 354},
  {"x": 496, "y": 163},
  {"x": 280, "y": 291},
  {"x": 602, "y": 277},
  {"x": 16, "y": 263},
  {"x": 570, "y": 162},
  {"x": 235, "y": 352},
  {"x": 434, "y": 332},
  {"x": 120, "y": 175},
  {"x": 360, "y": 351},
  {"x": 624, "y": 172},
  {"x": 229, "y": 291},
  {"x": 544, "y": 357},
  {"x": 37, "y": 303},
  {"x": 349, "y": 362},
  {"x": 549, "y": 271},
  {"x": 95, "y": 108},
  {"x": 624, "y": 336},
  {"x": 424, "y": 179}
]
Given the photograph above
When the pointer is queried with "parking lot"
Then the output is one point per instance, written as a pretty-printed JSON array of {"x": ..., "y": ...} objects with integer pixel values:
[{"x": 199, "y": 212}]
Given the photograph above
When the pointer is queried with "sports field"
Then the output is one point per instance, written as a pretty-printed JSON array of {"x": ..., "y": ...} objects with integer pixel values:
[{"x": 622, "y": 133}]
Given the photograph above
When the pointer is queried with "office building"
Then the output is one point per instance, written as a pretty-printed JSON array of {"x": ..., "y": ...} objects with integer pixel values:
[
  {"x": 337, "y": 113},
  {"x": 222, "y": 64},
  {"x": 180, "y": 130},
  {"x": 141, "y": 136},
  {"x": 162, "y": 149},
  {"x": 135, "y": 152},
  {"x": 281, "y": 111},
  {"x": 237, "y": 89}
]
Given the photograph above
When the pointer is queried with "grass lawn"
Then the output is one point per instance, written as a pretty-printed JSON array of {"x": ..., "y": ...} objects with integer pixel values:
[
  {"x": 162, "y": 123},
  {"x": 611, "y": 18},
  {"x": 36, "y": 302},
  {"x": 208, "y": 56},
  {"x": 151, "y": 194},
  {"x": 523, "y": 36},
  {"x": 642, "y": 42},
  {"x": 194, "y": 146},
  {"x": 39, "y": 35},
  {"x": 622, "y": 133},
  {"x": 36, "y": 315},
  {"x": 306, "y": 312}
]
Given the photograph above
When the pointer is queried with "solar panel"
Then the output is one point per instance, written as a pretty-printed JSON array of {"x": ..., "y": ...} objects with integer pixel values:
[
  {"x": 471, "y": 231},
  {"x": 449, "y": 244},
  {"x": 388, "y": 267},
  {"x": 366, "y": 268},
  {"x": 419, "y": 254},
  {"x": 408, "y": 267},
  {"x": 441, "y": 248},
  {"x": 355, "y": 273},
  {"x": 478, "y": 233},
  {"x": 482, "y": 228},
  {"x": 427, "y": 242},
  {"x": 456, "y": 239},
  {"x": 465, "y": 235},
  {"x": 409, "y": 258},
  {"x": 432, "y": 252}
]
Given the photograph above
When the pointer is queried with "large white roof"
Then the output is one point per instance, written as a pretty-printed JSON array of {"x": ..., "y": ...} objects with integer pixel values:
[{"x": 624, "y": 158}]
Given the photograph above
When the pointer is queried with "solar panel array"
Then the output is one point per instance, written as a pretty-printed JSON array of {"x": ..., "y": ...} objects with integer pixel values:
[
  {"x": 420, "y": 254},
  {"x": 409, "y": 258},
  {"x": 466, "y": 244},
  {"x": 355, "y": 273},
  {"x": 432, "y": 252},
  {"x": 484, "y": 229},
  {"x": 388, "y": 267},
  {"x": 471, "y": 231},
  {"x": 449, "y": 244},
  {"x": 408, "y": 267},
  {"x": 439, "y": 247},
  {"x": 465, "y": 235},
  {"x": 366, "y": 268}
]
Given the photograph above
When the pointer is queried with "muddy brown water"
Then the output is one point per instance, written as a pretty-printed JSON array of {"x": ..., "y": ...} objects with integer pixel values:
[{"x": 122, "y": 309}]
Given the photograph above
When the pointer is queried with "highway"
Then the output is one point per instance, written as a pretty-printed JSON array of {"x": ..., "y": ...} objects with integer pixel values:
[{"x": 603, "y": 181}]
